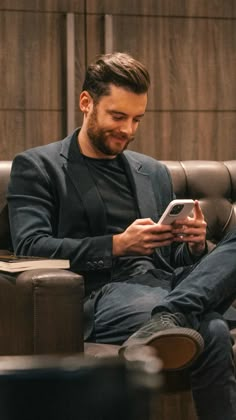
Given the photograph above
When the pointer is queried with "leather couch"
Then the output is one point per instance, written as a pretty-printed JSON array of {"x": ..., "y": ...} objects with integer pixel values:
[{"x": 41, "y": 311}]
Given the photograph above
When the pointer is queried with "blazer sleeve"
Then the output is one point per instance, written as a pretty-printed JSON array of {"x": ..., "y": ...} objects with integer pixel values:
[{"x": 33, "y": 206}]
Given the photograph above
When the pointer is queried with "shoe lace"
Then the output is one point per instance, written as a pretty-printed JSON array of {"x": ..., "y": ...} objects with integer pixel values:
[
  {"x": 169, "y": 319},
  {"x": 164, "y": 320}
]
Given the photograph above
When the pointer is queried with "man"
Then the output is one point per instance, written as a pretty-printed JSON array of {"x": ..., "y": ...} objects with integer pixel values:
[{"x": 87, "y": 199}]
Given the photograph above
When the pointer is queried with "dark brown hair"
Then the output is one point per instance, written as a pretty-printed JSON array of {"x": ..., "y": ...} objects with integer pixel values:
[{"x": 119, "y": 69}]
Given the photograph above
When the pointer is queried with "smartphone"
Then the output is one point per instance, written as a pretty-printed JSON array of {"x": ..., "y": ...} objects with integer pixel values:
[{"x": 177, "y": 209}]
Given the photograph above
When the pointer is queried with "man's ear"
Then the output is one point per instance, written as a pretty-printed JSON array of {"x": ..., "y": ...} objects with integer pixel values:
[{"x": 85, "y": 102}]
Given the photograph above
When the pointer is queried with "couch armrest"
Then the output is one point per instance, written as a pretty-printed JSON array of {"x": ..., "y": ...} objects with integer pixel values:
[{"x": 41, "y": 311}]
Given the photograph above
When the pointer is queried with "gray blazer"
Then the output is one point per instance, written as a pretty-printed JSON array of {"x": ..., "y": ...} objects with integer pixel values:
[{"x": 56, "y": 211}]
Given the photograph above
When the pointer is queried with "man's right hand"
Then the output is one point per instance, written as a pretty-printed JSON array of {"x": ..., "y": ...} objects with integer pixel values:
[{"x": 141, "y": 238}]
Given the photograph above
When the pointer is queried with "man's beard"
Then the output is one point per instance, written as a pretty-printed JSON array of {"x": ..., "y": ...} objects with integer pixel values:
[{"x": 98, "y": 137}]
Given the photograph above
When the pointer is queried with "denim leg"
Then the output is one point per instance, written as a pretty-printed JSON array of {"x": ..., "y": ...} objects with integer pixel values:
[
  {"x": 209, "y": 286},
  {"x": 122, "y": 309},
  {"x": 213, "y": 375}
]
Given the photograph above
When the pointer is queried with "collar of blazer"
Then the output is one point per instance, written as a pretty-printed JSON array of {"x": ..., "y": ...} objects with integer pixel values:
[{"x": 85, "y": 186}]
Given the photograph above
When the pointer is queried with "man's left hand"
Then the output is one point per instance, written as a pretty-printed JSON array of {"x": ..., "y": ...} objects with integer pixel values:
[{"x": 192, "y": 230}]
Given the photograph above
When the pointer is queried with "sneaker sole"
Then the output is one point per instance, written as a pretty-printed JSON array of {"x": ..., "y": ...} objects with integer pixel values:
[{"x": 177, "y": 349}]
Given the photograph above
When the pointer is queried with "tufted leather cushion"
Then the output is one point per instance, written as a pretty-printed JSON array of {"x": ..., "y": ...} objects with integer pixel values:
[
  {"x": 214, "y": 185},
  {"x": 41, "y": 312}
]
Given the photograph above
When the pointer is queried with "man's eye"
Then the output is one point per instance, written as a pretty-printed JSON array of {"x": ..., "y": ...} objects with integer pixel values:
[{"x": 117, "y": 117}]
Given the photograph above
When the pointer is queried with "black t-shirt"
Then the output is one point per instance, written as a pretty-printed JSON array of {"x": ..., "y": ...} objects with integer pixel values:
[{"x": 121, "y": 210}]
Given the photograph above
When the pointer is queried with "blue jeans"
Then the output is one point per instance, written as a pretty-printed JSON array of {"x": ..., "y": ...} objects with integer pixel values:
[{"x": 203, "y": 293}]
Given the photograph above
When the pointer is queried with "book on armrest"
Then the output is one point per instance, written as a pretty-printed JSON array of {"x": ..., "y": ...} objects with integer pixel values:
[{"x": 13, "y": 263}]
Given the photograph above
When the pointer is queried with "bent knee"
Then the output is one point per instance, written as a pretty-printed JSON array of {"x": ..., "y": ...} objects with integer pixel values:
[{"x": 215, "y": 331}]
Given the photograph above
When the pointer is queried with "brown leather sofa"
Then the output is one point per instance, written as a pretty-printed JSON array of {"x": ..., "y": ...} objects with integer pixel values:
[{"x": 41, "y": 311}]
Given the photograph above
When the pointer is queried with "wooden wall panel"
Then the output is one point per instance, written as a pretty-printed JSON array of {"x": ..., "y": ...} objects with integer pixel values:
[
  {"x": 206, "y": 8},
  {"x": 94, "y": 36},
  {"x": 12, "y": 129},
  {"x": 192, "y": 100},
  {"x": 185, "y": 60},
  {"x": 44, "y": 54},
  {"x": 11, "y": 63},
  {"x": 43, "y": 127},
  {"x": 44, "y": 5},
  {"x": 189, "y": 47},
  {"x": 89, "y": 43},
  {"x": 33, "y": 78},
  {"x": 187, "y": 135},
  {"x": 21, "y": 130},
  {"x": 80, "y": 67},
  {"x": 31, "y": 60}
]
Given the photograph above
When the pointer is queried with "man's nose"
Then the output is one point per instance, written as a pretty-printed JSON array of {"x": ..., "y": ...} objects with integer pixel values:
[{"x": 128, "y": 128}]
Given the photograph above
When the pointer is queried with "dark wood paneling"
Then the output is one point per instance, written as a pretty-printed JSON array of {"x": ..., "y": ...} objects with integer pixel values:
[
  {"x": 32, "y": 60},
  {"x": 187, "y": 135},
  {"x": 192, "y": 62},
  {"x": 22, "y": 130},
  {"x": 12, "y": 129},
  {"x": 210, "y": 8},
  {"x": 80, "y": 67},
  {"x": 192, "y": 100},
  {"x": 33, "y": 78},
  {"x": 11, "y": 61},
  {"x": 44, "y": 5},
  {"x": 94, "y": 36},
  {"x": 43, "y": 127}
]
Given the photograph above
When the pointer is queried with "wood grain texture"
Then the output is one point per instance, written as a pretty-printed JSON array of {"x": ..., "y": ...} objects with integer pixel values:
[
  {"x": 12, "y": 129},
  {"x": 188, "y": 46},
  {"x": 191, "y": 61},
  {"x": 95, "y": 42},
  {"x": 209, "y": 8},
  {"x": 33, "y": 75},
  {"x": 44, "y": 5},
  {"x": 191, "y": 111},
  {"x": 80, "y": 67},
  {"x": 187, "y": 135},
  {"x": 31, "y": 60},
  {"x": 21, "y": 130},
  {"x": 43, "y": 127},
  {"x": 11, "y": 61}
]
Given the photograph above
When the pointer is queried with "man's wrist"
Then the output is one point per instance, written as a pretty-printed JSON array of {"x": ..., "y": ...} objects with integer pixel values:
[{"x": 117, "y": 248}]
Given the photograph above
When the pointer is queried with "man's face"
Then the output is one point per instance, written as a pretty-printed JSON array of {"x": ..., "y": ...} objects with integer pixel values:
[{"x": 112, "y": 123}]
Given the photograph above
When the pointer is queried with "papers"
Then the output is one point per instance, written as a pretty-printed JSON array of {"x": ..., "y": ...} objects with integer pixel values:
[{"x": 13, "y": 264}]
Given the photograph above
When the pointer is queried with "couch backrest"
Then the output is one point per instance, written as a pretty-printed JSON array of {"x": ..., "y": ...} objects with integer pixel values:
[{"x": 213, "y": 183}]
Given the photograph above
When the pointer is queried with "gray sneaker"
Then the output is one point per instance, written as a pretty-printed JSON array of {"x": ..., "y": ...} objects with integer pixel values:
[{"x": 177, "y": 346}]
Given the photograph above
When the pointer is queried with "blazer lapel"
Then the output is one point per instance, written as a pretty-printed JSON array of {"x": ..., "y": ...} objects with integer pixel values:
[
  {"x": 86, "y": 188},
  {"x": 142, "y": 186},
  {"x": 148, "y": 208}
]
